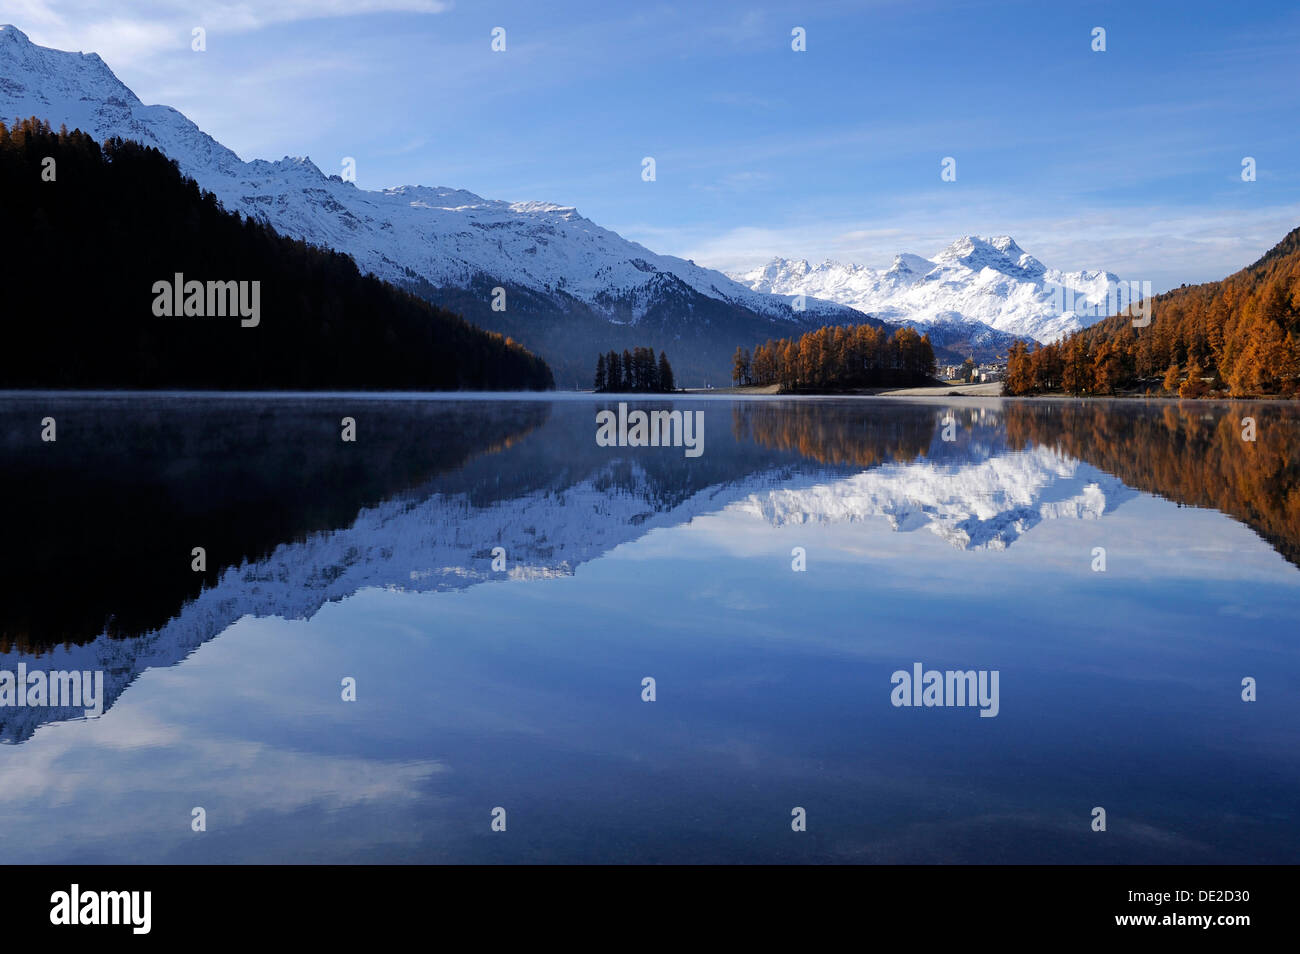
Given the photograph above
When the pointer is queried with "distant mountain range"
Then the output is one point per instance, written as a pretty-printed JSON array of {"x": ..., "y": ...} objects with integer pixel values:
[
  {"x": 977, "y": 294},
  {"x": 573, "y": 289}
]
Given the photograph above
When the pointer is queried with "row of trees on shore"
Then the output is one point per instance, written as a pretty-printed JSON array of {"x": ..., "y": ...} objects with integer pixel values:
[
  {"x": 1073, "y": 367},
  {"x": 634, "y": 370},
  {"x": 836, "y": 358},
  {"x": 1081, "y": 367}
]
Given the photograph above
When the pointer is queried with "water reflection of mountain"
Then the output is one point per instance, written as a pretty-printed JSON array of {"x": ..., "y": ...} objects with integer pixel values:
[
  {"x": 979, "y": 506},
  {"x": 300, "y": 519},
  {"x": 973, "y": 490},
  {"x": 1192, "y": 453}
]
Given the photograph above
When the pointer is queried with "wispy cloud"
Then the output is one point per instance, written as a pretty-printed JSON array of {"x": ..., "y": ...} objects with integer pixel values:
[{"x": 156, "y": 26}]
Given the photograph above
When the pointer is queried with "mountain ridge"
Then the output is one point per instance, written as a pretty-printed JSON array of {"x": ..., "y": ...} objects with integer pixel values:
[{"x": 988, "y": 290}]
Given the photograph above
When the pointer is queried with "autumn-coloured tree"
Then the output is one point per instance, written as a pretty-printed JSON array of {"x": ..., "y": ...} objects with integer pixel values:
[
  {"x": 1076, "y": 377},
  {"x": 1193, "y": 387},
  {"x": 1048, "y": 368},
  {"x": 1106, "y": 368},
  {"x": 740, "y": 366},
  {"x": 1020, "y": 374},
  {"x": 764, "y": 366}
]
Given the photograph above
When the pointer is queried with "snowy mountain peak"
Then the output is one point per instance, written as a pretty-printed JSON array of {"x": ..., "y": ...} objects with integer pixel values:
[
  {"x": 988, "y": 291},
  {"x": 963, "y": 248},
  {"x": 19, "y": 55},
  {"x": 908, "y": 267},
  {"x": 1001, "y": 254},
  {"x": 534, "y": 206},
  {"x": 1006, "y": 245},
  {"x": 300, "y": 165},
  {"x": 442, "y": 197}
]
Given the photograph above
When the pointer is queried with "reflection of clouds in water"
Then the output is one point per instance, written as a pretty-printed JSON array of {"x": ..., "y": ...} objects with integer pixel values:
[{"x": 128, "y": 779}]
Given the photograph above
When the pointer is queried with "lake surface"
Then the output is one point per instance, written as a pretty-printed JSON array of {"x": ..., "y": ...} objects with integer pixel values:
[{"x": 1121, "y": 566}]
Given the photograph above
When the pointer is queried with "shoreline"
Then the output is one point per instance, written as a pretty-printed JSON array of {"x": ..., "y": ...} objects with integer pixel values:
[{"x": 990, "y": 389}]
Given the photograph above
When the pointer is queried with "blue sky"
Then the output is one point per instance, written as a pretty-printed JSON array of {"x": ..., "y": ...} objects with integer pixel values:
[{"x": 1128, "y": 159}]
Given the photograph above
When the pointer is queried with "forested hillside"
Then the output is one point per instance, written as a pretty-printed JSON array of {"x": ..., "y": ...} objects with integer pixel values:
[
  {"x": 91, "y": 234},
  {"x": 1238, "y": 337}
]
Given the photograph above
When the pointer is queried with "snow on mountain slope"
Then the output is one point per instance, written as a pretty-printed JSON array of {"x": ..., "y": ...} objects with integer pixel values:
[
  {"x": 973, "y": 282},
  {"x": 445, "y": 236}
]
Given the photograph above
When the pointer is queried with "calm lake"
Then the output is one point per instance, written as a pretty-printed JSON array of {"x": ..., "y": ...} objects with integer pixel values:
[{"x": 496, "y": 588}]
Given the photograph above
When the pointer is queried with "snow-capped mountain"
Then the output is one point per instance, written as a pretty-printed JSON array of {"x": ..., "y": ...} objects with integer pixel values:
[
  {"x": 989, "y": 290},
  {"x": 430, "y": 238}
]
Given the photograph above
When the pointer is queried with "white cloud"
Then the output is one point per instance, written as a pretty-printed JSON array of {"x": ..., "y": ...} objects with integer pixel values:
[{"x": 157, "y": 26}]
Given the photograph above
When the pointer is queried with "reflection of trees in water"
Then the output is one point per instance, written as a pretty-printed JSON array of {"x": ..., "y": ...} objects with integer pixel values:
[
  {"x": 861, "y": 435},
  {"x": 1191, "y": 455},
  {"x": 99, "y": 526}
]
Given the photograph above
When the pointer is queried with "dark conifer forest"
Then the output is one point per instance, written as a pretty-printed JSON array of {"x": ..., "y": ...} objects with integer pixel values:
[
  {"x": 88, "y": 232},
  {"x": 635, "y": 370}
]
